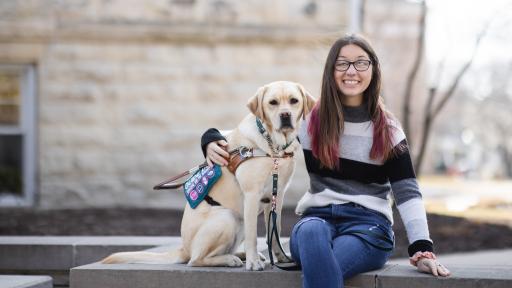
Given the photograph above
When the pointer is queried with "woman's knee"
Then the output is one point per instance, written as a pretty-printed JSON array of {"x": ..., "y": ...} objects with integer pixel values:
[
  {"x": 310, "y": 235},
  {"x": 311, "y": 227}
]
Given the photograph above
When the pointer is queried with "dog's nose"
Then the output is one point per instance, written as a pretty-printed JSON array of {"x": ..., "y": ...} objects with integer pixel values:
[
  {"x": 286, "y": 120},
  {"x": 285, "y": 115}
]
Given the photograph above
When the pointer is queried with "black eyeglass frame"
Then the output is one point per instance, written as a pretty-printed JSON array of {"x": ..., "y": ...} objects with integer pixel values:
[{"x": 353, "y": 63}]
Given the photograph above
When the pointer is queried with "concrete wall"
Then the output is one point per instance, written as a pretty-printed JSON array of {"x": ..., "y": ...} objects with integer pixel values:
[{"x": 126, "y": 88}]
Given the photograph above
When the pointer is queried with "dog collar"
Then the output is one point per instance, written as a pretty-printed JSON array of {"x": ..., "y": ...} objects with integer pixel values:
[{"x": 266, "y": 135}]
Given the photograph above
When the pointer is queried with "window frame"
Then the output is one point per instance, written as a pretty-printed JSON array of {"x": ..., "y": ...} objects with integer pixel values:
[{"x": 27, "y": 129}]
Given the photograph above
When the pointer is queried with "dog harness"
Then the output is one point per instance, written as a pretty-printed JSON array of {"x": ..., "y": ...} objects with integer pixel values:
[
  {"x": 243, "y": 153},
  {"x": 236, "y": 157},
  {"x": 196, "y": 187}
]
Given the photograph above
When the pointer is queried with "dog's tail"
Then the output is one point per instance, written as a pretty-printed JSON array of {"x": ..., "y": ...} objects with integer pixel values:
[{"x": 171, "y": 257}]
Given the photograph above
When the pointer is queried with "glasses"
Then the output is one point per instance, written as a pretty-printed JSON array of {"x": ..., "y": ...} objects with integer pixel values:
[{"x": 359, "y": 65}]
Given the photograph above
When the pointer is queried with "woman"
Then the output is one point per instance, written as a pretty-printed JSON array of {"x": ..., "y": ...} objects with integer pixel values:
[{"x": 357, "y": 158}]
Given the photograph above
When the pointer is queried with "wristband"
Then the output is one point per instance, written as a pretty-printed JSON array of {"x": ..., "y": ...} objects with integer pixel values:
[{"x": 419, "y": 255}]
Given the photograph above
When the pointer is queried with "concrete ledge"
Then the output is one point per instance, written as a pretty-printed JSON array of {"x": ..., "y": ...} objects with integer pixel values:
[
  {"x": 55, "y": 255},
  {"x": 155, "y": 276},
  {"x": 18, "y": 281},
  {"x": 398, "y": 275},
  {"x": 393, "y": 275}
]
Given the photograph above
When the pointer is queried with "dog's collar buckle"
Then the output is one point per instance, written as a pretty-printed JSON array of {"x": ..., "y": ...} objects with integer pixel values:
[
  {"x": 245, "y": 152},
  {"x": 242, "y": 153}
]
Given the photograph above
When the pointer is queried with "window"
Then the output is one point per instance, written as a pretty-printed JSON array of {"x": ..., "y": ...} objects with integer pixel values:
[{"x": 17, "y": 135}]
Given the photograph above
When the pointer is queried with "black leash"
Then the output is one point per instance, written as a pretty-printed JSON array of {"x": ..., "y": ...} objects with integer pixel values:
[
  {"x": 291, "y": 266},
  {"x": 272, "y": 217},
  {"x": 272, "y": 220}
]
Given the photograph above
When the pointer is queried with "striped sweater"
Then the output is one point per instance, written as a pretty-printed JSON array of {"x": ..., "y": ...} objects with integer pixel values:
[{"x": 367, "y": 182}]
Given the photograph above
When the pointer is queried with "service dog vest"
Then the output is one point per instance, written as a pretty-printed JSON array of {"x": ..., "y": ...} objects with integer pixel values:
[{"x": 196, "y": 187}]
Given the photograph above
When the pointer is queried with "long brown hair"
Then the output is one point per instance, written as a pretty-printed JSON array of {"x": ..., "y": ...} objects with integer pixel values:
[{"x": 326, "y": 123}]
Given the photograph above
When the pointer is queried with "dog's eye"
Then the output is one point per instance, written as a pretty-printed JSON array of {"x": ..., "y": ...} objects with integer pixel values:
[
  {"x": 294, "y": 101},
  {"x": 273, "y": 102}
]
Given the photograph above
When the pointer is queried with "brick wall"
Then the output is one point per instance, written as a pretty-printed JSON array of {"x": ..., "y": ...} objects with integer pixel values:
[{"x": 125, "y": 88}]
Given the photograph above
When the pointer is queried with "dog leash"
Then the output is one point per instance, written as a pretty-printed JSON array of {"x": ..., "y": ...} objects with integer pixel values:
[
  {"x": 272, "y": 217},
  {"x": 266, "y": 135},
  {"x": 271, "y": 232}
]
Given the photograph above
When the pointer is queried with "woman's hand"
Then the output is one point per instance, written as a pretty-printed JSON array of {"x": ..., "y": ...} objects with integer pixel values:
[
  {"x": 427, "y": 262},
  {"x": 432, "y": 266},
  {"x": 216, "y": 153}
]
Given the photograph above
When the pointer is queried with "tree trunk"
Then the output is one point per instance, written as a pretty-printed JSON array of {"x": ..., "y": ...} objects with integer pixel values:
[
  {"x": 427, "y": 125},
  {"x": 406, "y": 108}
]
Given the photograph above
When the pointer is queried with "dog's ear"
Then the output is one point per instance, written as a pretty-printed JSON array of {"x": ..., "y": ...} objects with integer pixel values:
[
  {"x": 255, "y": 104},
  {"x": 307, "y": 101}
]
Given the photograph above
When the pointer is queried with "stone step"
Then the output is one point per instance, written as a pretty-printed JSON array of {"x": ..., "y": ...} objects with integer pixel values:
[
  {"x": 23, "y": 281},
  {"x": 393, "y": 275},
  {"x": 56, "y": 255},
  {"x": 178, "y": 275}
]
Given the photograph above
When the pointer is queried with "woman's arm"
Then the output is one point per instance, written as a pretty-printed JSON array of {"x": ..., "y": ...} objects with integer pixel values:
[
  {"x": 409, "y": 202},
  {"x": 214, "y": 147}
]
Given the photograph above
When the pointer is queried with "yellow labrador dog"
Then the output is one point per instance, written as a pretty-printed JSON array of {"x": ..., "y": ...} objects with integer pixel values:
[{"x": 211, "y": 234}]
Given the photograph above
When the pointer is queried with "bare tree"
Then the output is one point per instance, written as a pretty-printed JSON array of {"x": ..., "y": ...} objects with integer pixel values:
[
  {"x": 495, "y": 114},
  {"x": 432, "y": 108},
  {"x": 406, "y": 108}
]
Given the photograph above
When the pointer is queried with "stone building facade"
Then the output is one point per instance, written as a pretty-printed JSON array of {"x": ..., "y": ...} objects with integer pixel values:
[{"x": 123, "y": 89}]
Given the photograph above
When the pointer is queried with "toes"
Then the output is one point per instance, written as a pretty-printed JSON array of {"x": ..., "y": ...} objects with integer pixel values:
[
  {"x": 235, "y": 262},
  {"x": 283, "y": 258},
  {"x": 256, "y": 265}
]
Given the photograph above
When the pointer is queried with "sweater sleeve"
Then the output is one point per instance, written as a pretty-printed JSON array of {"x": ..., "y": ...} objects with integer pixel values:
[
  {"x": 209, "y": 136},
  {"x": 408, "y": 199}
]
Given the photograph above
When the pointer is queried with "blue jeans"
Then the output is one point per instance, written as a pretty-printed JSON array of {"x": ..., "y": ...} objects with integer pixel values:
[{"x": 323, "y": 244}]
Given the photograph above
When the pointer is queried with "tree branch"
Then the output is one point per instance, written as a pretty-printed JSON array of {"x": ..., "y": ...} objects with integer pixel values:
[
  {"x": 461, "y": 73},
  {"x": 406, "y": 109}
]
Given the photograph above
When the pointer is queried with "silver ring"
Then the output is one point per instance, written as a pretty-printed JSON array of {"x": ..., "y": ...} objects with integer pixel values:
[{"x": 245, "y": 152}]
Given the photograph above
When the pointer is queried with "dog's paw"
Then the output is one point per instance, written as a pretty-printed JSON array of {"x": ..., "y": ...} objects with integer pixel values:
[
  {"x": 262, "y": 257},
  {"x": 241, "y": 255},
  {"x": 234, "y": 261},
  {"x": 254, "y": 265},
  {"x": 282, "y": 258}
]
